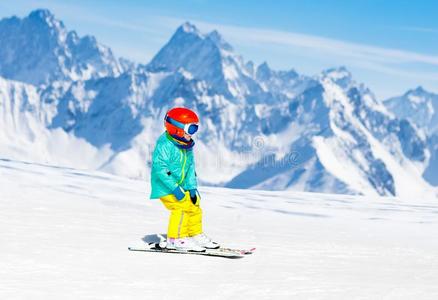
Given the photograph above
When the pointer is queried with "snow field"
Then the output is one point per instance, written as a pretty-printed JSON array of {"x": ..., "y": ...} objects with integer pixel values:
[{"x": 65, "y": 233}]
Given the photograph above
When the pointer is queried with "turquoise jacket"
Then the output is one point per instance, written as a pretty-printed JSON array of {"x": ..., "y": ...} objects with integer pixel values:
[{"x": 171, "y": 166}]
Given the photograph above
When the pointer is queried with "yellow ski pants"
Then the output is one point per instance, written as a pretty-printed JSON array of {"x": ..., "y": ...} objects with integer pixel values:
[{"x": 185, "y": 217}]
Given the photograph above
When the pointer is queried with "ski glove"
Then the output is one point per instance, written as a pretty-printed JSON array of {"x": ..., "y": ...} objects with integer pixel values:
[
  {"x": 194, "y": 196},
  {"x": 179, "y": 193}
]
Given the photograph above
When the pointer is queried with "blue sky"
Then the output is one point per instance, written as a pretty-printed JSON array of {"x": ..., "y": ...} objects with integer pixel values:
[{"x": 391, "y": 46}]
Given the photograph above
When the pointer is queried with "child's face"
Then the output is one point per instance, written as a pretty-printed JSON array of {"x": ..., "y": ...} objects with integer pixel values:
[{"x": 187, "y": 136}]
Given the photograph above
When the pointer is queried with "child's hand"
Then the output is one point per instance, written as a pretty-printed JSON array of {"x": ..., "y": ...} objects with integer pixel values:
[
  {"x": 194, "y": 196},
  {"x": 179, "y": 193}
]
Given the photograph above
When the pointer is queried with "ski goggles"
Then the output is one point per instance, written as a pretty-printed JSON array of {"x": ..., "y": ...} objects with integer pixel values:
[{"x": 189, "y": 128}]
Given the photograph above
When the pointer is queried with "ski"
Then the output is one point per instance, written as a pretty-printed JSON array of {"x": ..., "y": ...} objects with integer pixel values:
[
  {"x": 210, "y": 253},
  {"x": 238, "y": 251},
  {"x": 224, "y": 252}
]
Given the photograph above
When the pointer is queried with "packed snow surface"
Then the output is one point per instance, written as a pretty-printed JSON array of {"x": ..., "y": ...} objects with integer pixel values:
[{"x": 65, "y": 233}]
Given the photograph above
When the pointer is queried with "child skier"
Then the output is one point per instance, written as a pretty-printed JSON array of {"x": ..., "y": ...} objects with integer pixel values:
[{"x": 173, "y": 180}]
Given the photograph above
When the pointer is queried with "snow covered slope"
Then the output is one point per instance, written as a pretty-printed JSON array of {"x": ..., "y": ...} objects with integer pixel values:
[
  {"x": 65, "y": 234},
  {"x": 346, "y": 142},
  {"x": 23, "y": 133}
]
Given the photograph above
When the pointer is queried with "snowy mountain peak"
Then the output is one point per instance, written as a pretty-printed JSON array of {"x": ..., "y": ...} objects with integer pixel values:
[
  {"x": 44, "y": 22},
  {"x": 209, "y": 58},
  {"x": 42, "y": 14},
  {"x": 188, "y": 43},
  {"x": 38, "y": 49},
  {"x": 339, "y": 75},
  {"x": 287, "y": 83},
  {"x": 420, "y": 89},
  {"x": 181, "y": 46},
  {"x": 419, "y": 94},
  {"x": 263, "y": 72},
  {"x": 215, "y": 36},
  {"x": 417, "y": 105},
  {"x": 188, "y": 27},
  {"x": 219, "y": 41},
  {"x": 264, "y": 66}
]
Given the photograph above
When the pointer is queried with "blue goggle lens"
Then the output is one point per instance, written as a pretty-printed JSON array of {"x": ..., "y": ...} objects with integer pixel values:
[{"x": 192, "y": 129}]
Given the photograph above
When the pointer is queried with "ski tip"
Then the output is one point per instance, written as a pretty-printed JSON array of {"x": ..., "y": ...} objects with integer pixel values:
[
  {"x": 247, "y": 252},
  {"x": 133, "y": 249}
]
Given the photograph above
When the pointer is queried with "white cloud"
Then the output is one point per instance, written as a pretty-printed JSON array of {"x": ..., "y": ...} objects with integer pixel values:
[{"x": 326, "y": 45}]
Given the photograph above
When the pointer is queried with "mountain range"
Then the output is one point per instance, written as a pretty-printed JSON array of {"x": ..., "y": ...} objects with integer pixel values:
[{"x": 68, "y": 100}]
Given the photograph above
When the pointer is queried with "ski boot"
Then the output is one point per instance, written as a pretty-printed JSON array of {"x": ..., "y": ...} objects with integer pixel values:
[
  {"x": 184, "y": 244},
  {"x": 205, "y": 242}
]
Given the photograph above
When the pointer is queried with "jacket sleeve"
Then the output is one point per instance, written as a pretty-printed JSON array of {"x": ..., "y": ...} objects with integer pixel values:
[
  {"x": 160, "y": 167},
  {"x": 191, "y": 180}
]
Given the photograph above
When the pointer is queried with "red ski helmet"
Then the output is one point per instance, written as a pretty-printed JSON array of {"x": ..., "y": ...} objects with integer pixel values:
[{"x": 181, "y": 120}]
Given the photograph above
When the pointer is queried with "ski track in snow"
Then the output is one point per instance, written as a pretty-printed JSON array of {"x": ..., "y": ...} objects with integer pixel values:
[{"x": 65, "y": 233}]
